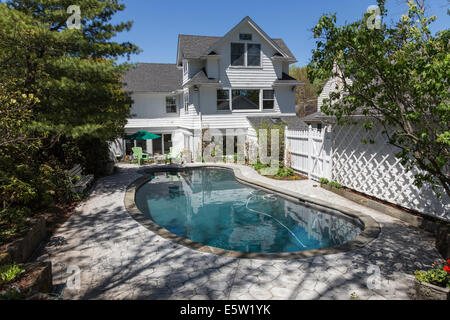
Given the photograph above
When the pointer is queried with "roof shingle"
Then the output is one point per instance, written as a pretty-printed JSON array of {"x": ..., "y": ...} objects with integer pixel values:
[
  {"x": 193, "y": 46},
  {"x": 153, "y": 77}
]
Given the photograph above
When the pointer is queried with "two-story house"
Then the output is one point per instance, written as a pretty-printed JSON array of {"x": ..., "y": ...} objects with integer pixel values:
[{"x": 216, "y": 82}]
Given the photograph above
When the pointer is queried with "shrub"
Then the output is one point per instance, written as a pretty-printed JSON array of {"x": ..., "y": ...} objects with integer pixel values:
[
  {"x": 323, "y": 181},
  {"x": 258, "y": 166},
  {"x": 334, "y": 184},
  {"x": 285, "y": 172},
  {"x": 10, "y": 272}
]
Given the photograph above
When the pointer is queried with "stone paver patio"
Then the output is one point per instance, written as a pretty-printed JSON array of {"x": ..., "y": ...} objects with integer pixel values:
[{"x": 120, "y": 259}]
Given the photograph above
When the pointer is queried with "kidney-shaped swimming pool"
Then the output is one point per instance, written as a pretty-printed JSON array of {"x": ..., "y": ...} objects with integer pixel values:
[{"x": 209, "y": 206}]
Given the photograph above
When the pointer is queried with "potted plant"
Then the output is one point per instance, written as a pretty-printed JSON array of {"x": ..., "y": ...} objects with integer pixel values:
[{"x": 433, "y": 284}]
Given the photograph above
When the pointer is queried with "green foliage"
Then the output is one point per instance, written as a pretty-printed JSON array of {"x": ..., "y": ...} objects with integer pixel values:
[
  {"x": 323, "y": 181},
  {"x": 306, "y": 94},
  {"x": 334, "y": 184},
  {"x": 437, "y": 276},
  {"x": 12, "y": 294},
  {"x": 282, "y": 172},
  {"x": 354, "y": 296},
  {"x": 397, "y": 76},
  {"x": 285, "y": 172},
  {"x": 61, "y": 99},
  {"x": 10, "y": 272},
  {"x": 258, "y": 166}
]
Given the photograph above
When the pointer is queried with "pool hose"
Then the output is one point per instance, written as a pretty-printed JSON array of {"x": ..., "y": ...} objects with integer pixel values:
[{"x": 273, "y": 198}]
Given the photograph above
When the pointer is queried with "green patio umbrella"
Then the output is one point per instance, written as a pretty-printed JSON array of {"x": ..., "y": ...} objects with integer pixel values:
[{"x": 143, "y": 135}]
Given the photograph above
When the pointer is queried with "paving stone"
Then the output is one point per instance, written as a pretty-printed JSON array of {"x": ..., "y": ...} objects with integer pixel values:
[{"x": 121, "y": 259}]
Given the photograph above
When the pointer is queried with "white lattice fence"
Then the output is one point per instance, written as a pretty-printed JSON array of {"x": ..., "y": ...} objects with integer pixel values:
[
  {"x": 310, "y": 152},
  {"x": 373, "y": 169}
]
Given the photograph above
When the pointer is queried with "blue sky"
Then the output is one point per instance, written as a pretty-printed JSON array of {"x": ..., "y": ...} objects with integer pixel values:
[{"x": 158, "y": 23}]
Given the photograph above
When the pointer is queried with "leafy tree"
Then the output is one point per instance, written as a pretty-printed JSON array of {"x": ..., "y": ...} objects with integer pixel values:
[
  {"x": 397, "y": 76},
  {"x": 307, "y": 94}
]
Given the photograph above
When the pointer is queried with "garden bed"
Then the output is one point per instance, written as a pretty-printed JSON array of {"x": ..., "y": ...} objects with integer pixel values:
[
  {"x": 22, "y": 248},
  {"x": 289, "y": 178},
  {"x": 21, "y": 242},
  {"x": 31, "y": 279},
  {"x": 411, "y": 217}
]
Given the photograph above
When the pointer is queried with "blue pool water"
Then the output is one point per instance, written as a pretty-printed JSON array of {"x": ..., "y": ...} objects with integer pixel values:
[{"x": 209, "y": 206}]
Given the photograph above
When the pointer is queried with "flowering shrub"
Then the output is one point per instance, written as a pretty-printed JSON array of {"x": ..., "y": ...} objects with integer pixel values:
[{"x": 439, "y": 276}]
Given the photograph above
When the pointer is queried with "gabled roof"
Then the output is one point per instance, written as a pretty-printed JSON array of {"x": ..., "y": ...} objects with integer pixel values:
[
  {"x": 194, "y": 46},
  {"x": 153, "y": 77},
  {"x": 201, "y": 78}
]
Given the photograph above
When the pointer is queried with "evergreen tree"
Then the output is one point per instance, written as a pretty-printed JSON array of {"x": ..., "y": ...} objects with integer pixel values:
[
  {"x": 61, "y": 100},
  {"x": 73, "y": 72}
]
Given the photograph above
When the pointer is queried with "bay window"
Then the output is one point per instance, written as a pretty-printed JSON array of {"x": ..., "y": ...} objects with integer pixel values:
[{"x": 245, "y": 99}]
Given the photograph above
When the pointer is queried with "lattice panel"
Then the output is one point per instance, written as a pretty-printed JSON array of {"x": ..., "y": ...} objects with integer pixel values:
[{"x": 373, "y": 169}]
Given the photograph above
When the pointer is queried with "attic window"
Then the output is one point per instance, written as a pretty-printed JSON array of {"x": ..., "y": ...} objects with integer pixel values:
[{"x": 245, "y": 36}]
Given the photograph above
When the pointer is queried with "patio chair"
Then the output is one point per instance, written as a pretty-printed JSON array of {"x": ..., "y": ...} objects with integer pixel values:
[
  {"x": 173, "y": 155},
  {"x": 139, "y": 155}
]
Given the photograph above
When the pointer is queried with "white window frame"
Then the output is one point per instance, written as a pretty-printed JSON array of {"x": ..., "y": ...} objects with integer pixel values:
[
  {"x": 185, "y": 67},
  {"x": 245, "y": 33},
  {"x": 229, "y": 101},
  {"x": 245, "y": 110},
  {"x": 262, "y": 99},
  {"x": 171, "y": 105},
  {"x": 246, "y": 55},
  {"x": 245, "y": 65},
  {"x": 186, "y": 101}
]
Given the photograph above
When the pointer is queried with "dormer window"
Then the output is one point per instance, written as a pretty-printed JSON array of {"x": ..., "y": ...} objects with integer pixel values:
[{"x": 245, "y": 36}]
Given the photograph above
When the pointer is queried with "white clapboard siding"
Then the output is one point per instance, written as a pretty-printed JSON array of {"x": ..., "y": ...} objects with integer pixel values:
[{"x": 241, "y": 77}]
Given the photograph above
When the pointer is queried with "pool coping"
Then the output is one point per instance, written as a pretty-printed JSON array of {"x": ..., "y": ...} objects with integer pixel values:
[{"x": 370, "y": 228}]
